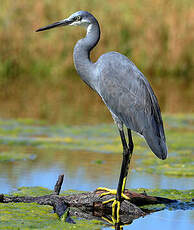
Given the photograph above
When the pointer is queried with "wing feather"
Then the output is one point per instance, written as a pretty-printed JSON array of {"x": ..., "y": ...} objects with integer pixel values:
[{"x": 129, "y": 96}]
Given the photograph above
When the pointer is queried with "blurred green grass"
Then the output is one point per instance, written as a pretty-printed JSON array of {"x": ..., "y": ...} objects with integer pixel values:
[{"x": 37, "y": 68}]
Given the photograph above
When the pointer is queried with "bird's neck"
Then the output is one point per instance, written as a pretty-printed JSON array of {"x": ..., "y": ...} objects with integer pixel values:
[{"x": 81, "y": 54}]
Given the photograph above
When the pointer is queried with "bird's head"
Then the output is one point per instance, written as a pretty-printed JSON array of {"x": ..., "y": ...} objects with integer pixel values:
[{"x": 80, "y": 18}]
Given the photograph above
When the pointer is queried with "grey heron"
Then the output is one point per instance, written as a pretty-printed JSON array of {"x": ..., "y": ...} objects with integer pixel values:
[{"x": 125, "y": 91}]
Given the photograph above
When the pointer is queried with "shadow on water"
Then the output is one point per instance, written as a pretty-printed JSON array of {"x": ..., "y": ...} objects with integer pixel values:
[{"x": 85, "y": 170}]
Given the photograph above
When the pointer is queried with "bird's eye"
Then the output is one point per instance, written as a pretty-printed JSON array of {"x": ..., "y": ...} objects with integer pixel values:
[{"x": 78, "y": 18}]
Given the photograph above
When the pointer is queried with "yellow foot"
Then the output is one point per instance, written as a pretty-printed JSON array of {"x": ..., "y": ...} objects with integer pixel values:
[
  {"x": 116, "y": 205},
  {"x": 111, "y": 192},
  {"x": 113, "y": 222}
]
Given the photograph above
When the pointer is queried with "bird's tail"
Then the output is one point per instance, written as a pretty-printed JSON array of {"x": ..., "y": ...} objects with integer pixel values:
[{"x": 155, "y": 138}]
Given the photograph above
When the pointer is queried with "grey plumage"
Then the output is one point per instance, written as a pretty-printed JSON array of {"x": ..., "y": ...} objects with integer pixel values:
[
  {"x": 123, "y": 88},
  {"x": 129, "y": 96}
]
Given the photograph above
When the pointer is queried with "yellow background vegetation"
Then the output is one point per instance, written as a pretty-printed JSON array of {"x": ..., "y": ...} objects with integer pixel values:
[{"x": 37, "y": 76}]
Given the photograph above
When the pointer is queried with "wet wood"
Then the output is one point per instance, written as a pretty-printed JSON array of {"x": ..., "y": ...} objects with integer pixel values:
[
  {"x": 89, "y": 202},
  {"x": 58, "y": 185}
]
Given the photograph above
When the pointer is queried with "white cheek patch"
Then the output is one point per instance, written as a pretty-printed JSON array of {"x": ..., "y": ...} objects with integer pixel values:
[
  {"x": 83, "y": 23},
  {"x": 76, "y": 23}
]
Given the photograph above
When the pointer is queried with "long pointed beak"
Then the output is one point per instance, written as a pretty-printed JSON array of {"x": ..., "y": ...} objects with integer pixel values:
[{"x": 64, "y": 22}]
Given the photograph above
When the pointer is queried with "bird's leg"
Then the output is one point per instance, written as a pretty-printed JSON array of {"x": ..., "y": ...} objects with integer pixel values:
[
  {"x": 124, "y": 167},
  {"x": 130, "y": 144},
  {"x": 127, "y": 153},
  {"x": 123, "y": 175}
]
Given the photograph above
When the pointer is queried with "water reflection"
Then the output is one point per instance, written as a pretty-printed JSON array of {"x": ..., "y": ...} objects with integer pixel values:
[
  {"x": 82, "y": 171},
  {"x": 86, "y": 171},
  {"x": 167, "y": 220}
]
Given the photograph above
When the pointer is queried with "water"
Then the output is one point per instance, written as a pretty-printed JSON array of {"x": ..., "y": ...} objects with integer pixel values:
[
  {"x": 168, "y": 220},
  {"x": 80, "y": 174},
  {"x": 86, "y": 170}
]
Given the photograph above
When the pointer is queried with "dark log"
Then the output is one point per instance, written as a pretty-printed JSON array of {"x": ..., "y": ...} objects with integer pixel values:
[
  {"x": 89, "y": 204},
  {"x": 91, "y": 201},
  {"x": 141, "y": 199}
]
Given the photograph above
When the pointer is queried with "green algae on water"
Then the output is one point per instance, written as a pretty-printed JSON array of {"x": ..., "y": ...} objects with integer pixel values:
[
  {"x": 174, "y": 194},
  {"x": 183, "y": 195},
  {"x": 34, "y": 216},
  {"x": 15, "y": 156},
  {"x": 104, "y": 138}
]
